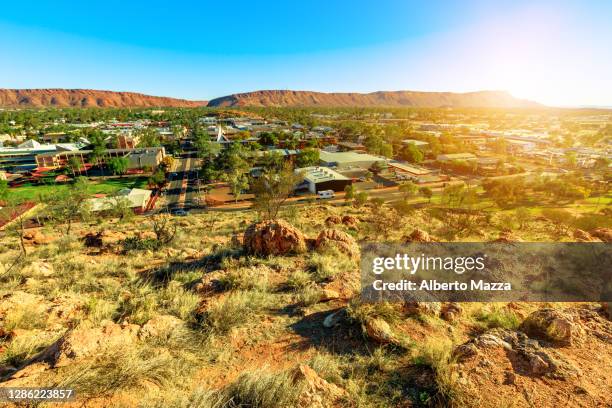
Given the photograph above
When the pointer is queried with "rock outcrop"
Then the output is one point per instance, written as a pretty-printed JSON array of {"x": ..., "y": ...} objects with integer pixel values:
[
  {"x": 274, "y": 237},
  {"x": 553, "y": 325},
  {"x": 583, "y": 236},
  {"x": 86, "y": 98},
  {"x": 480, "y": 99},
  {"x": 80, "y": 343},
  {"x": 316, "y": 392},
  {"x": 379, "y": 330},
  {"x": 340, "y": 240},
  {"x": 604, "y": 234},
  {"x": 419, "y": 235},
  {"x": 531, "y": 359}
]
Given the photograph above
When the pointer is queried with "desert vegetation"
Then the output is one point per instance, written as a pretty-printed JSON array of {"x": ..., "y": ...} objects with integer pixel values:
[{"x": 173, "y": 312}]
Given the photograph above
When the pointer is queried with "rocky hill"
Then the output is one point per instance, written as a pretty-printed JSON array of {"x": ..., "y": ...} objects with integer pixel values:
[
  {"x": 85, "y": 98},
  {"x": 490, "y": 99}
]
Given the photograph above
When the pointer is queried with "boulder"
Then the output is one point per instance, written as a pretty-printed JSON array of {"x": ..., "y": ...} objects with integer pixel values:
[
  {"x": 42, "y": 268},
  {"x": 36, "y": 238},
  {"x": 85, "y": 342},
  {"x": 583, "y": 236},
  {"x": 422, "y": 308},
  {"x": 379, "y": 330},
  {"x": 210, "y": 282},
  {"x": 103, "y": 239},
  {"x": 419, "y": 235},
  {"x": 332, "y": 220},
  {"x": 317, "y": 392},
  {"x": 329, "y": 294},
  {"x": 340, "y": 240},
  {"x": 350, "y": 221},
  {"x": 507, "y": 236},
  {"x": 553, "y": 325},
  {"x": 536, "y": 360},
  {"x": 160, "y": 326},
  {"x": 451, "y": 311},
  {"x": 334, "y": 319},
  {"x": 604, "y": 234},
  {"x": 273, "y": 237}
]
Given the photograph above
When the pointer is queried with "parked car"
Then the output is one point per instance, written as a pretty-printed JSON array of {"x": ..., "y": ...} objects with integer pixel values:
[
  {"x": 180, "y": 212},
  {"x": 326, "y": 194}
]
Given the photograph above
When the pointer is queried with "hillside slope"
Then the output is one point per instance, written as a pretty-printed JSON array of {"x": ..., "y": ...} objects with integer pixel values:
[
  {"x": 492, "y": 99},
  {"x": 86, "y": 98}
]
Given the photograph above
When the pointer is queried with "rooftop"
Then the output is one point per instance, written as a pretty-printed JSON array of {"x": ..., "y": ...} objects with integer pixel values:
[
  {"x": 316, "y": 174},
  {"x": 456, "y": 156},
  {"x": 414, "y": 142},
  {"x": 346, "y": 157}
]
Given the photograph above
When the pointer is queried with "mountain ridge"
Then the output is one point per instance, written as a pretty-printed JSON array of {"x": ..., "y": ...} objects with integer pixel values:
[
  {"x": 498, "y": 99},
  {"x": 86, "y": 98},
  {"x": 61, "y": 97}
]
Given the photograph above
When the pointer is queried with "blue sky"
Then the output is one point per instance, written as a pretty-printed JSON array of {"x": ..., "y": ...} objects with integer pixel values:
[{"x": 555, "y": 52}]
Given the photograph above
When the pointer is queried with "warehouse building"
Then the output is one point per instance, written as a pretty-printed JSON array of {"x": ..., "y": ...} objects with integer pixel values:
[{"x": 318, "y": 178}]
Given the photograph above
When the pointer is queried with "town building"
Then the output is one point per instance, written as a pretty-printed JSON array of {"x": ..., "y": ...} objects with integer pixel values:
[
  {"x": 135, "y": 198},
  {"x": 127, "y": 141},
  {"x": 23, "y": 157},
  {"x": 347, "y": 160},
  {"x": 418, "y": 143},
  {"x": 318, "y": 178},
  {"x": 445, "y": 158},
  {"x": 137, "y": 158}
]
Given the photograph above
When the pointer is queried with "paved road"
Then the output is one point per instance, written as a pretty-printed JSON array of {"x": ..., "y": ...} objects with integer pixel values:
[{"x": 182, "y": 181}]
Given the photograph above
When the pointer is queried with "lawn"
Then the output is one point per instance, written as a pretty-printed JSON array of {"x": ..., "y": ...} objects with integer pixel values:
[{"x": 108, "y": 186}]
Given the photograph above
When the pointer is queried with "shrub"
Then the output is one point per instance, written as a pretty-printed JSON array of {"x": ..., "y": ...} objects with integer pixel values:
[
  {"x": 493, "y": 316},
  {"x": 263, "y": 390},
  {"x": 177, "y": 301},
  {"x": 99, "y": 309},
  {"x": 138, "y": 306},
  {"x": 436, "y": 354},
  {"x": 309, "y": 295},
  {"x": 24, "y": 316},
  {"x": 328, "y": 264},
  {"x": 120, "y": 369},
  {"x": 24, "y": 347},
  {"x": 360, "y": 312},
  {"x": 299, "y": 279},
  {"x": 140, "y": 244},
  {"x": 245, "y": 279},
  {"x": 235, "y": 309}
]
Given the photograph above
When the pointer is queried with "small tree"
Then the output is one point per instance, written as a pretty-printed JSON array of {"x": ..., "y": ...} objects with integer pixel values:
[
  {"x": 118, "y": 165},
  {"x": 66, "y": 206},
  {"x": 522, "y": 216},
  {"x": 408, "y": 189},
  {"x": 273, "y": 189},
  {"x": 426, "y": 192},
  {"x": 157, "y": 179},
  {"x": 349, "y": 192},
  {"x": 361, "y": 198},
  {"x": 237, "y": 182},
  {"x": 74, "y": 165},
  {"x": 120, "y": 208},
  {"x": 412, "y": 154},
  {"x": 13, "y": 216},
  {"x": 308, "y": 157}
]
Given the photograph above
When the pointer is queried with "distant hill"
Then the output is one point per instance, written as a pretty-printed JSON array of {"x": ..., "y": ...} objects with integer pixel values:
[
  {"x": 86, "y": 98},
  {"x": 488, "y": 99}
]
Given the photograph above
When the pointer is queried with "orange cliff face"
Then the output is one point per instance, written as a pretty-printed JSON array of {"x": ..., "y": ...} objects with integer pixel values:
[
  {"x": 86, "y": 98},
  {"x": 481, "y": 99}
]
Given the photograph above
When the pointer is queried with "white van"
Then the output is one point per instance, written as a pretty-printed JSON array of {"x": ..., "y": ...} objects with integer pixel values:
[{"x": 326, "y": 194}]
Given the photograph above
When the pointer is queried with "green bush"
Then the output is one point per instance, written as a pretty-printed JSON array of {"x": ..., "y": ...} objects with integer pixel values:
[{"x": 140, "y": 244}]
